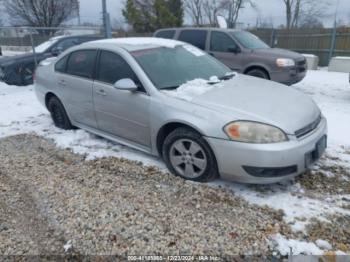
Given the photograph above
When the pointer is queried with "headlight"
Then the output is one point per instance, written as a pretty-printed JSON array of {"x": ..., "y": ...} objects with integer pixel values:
[
  {"x": 253, "y": 132},
  {"x": 285, "y": 62}
]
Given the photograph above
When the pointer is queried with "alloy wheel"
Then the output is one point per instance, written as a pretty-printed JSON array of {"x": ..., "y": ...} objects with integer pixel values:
[{"x": 188, "y": 158}]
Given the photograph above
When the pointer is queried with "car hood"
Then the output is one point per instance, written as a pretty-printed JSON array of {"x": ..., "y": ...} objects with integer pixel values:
[
  {"x": 9, "y": 60},
  {"x": 254, "y": 99},
  {"x": 279, "y": 53}
]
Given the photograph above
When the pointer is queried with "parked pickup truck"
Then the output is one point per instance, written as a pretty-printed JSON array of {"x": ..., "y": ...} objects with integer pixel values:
[{"x": 243, "y": 52}]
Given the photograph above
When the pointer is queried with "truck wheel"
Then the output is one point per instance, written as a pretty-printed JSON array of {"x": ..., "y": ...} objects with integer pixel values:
[{"x": 258, "y": 73}]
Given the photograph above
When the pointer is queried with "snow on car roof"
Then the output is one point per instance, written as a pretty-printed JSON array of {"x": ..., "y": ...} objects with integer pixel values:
[{"x": 138, "y": 43}]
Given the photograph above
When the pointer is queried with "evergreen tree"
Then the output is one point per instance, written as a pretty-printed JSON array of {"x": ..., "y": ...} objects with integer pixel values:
[{"x": 147, "y": 16}]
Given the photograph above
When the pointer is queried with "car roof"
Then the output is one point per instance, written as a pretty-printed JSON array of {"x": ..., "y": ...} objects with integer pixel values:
[
  {"x": 74, "y": 36},
  {"x": 133, "y": 43},
  {"x": 200, "y": 28}
]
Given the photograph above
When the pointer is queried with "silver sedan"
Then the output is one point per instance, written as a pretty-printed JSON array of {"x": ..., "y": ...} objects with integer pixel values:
[{"x": 172, "y": 100}]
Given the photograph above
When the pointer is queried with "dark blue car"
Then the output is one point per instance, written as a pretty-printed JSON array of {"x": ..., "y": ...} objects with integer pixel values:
[{"x": 19, "y": 69}]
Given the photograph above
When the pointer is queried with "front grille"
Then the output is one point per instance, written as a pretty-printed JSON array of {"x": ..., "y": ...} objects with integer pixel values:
[
  {"x": 309, "y": 128},
  {"x": 269, "y": 172},
  {"x": 301, "y": 66},
  {"x": 2, "y": 74}
]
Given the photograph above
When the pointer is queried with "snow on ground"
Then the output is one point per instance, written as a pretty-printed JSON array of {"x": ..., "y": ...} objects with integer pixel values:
[
  {"x": 11, "y": 53},
  {"x": 21, "y": 113}
]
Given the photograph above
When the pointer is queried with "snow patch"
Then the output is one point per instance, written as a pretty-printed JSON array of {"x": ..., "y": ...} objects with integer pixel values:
[
  {"x": 68, "y": 246},
  {"x": 294, "y": 247},
  {"x": 194, "y": 88},
  {"x": 288, "y": 197},
  {"x": 323, "y": 244},
  {"x": 142, "y": 41}
]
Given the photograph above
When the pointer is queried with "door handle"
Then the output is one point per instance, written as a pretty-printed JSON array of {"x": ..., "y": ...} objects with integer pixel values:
[
  {"x": 62, "y": 83},
  {"x": 102, "y": 92}
]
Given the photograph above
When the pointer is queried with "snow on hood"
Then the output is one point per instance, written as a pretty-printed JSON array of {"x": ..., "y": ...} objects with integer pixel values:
[
  {"x": 142, "y": 41},
  {"x": 194, "y": 88},
  {"x": 48, "y": 61}
]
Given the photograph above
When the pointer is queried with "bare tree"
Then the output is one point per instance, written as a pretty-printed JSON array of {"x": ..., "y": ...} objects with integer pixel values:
[
  {"x": 195, "y": 9},
  {"x": 41, "y": 13},
  {"x": 303, "y": 11},
  {"x": 232, "y": 9},
  {"x": 211, "y": 9}
]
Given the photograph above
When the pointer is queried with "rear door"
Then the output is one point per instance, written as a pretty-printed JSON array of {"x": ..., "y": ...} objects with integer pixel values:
[
  {"x": 76, "y": 86},
  {"x": 226, "y": 50},
  {"x": 194, "y": 37},
  {"x": 121, "y": 113}
]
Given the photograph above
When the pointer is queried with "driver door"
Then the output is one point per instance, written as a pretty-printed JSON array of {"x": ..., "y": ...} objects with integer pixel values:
[
  {"x": 226, "y": 50},
  {"x": 120, "y": 113}
]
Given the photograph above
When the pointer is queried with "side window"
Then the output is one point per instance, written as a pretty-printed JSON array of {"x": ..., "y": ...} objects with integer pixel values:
[
  {"x": 82, "y": 63},
  {"x": 221, "y": 42},
  {"x": 194, "y": 37},
  {"x": 168, "y": 34},
  {"x": 60, "y": 66},
  {"x": 87, "y": 39},
  {"x": 65, "y": 44},
  {"x": 113, "y": 67}
]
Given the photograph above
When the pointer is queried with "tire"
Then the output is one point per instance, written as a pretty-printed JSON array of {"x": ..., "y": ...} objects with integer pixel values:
[
  {"x": 189, "y": 156},
  {"x": 26, "y": 77},
  {"x": 58, "y": 114},
  {"x": 258, "y": 73}
]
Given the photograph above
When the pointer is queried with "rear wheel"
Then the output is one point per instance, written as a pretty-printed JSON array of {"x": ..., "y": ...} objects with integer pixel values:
[
  {"x": 258, "y": 73},
  {"x": 189, "y": 156},
  {"x": 58, "y": 114}
]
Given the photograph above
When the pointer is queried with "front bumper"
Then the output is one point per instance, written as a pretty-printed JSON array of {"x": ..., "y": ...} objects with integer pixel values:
[
  {"x": 233, "y": 157},
  {"x": 288, "y": 76},
  {"x": 9, "y": 76}
]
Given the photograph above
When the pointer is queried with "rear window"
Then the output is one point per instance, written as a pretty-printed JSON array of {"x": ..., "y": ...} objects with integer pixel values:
[
  {"x": 168, "y": 34},
  {"x": 82, "y": 63},
  {"x": 194, "y": 37}
]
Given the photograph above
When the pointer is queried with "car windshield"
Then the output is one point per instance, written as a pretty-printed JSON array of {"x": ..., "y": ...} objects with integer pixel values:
[
  {"x": 44, "y": 46},
  {"x": 169, "y": 68},
  {"x": 249, "y": 40}
]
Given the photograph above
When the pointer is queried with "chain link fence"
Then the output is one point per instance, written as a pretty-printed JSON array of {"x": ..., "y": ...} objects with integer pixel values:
[
  {"x": 324, "y": 43},
  {"x": 23, "y": 39}
]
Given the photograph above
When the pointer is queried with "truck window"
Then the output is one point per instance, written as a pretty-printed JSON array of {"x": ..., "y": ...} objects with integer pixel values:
[
  {"x": 168, "y": 34},
  {"x": 194, "y": 37}
]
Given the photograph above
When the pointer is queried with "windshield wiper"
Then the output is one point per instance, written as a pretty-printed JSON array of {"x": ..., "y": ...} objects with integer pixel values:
[
  {"x": 228, "y": 76},
  {"x": 170, "y": 88}
]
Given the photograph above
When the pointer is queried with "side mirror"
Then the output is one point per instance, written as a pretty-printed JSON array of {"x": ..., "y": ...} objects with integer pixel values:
[
  {"x": 126, "y": 84},
  {"x": 234, "y": 49},
  {"x": 56, "y": 51}
]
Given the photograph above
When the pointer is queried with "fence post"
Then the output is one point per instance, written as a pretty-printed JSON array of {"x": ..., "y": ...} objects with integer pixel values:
[
  {"x": 33, "y": 48},
  {"x": 333, "y": 43},
  {"x": 273, "y": 38}
]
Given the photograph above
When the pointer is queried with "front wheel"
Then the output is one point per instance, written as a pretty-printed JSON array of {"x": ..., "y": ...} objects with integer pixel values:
[
  {"x": 189, "y": 156},
  {"x": 258, "y": 73}
]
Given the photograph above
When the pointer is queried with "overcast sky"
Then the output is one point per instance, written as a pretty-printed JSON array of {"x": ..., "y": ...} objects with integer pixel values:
[{"x": 270, "y": 10}]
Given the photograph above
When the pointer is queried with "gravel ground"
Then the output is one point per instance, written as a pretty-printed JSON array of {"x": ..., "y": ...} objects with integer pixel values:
[{"x": 113, "y": 206}]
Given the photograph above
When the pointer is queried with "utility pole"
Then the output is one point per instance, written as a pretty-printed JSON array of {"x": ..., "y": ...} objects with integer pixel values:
[
  {"x": 334, "y": 34},
  {"x": 106, "y": 20},
  {"x": 78, "y": 10}
]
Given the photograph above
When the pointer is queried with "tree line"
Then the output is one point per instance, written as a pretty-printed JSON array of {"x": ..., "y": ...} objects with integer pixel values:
[
  {"x": 149, "y": 15},
  {"x": 146, "y": 16}
]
